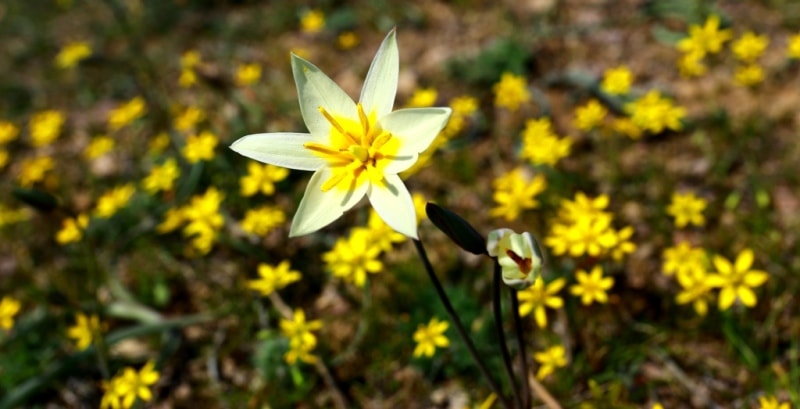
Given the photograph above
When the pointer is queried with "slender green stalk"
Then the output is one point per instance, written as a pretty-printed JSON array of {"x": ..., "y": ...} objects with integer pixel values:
[
  {"x": 526, "y": 387},
  {"x": 457, "y": 323},
  {"x": 501, "y": 335}
]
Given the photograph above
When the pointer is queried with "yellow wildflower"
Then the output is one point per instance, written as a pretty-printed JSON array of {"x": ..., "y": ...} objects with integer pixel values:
[
  {"x": 696, "y": 289},
  {"x": 684, "y": 260},
  {"x": 11, "y": 216},
  {"x": 793, "y": 47},
  {"x": 188, "y": 119},
  {"x": 422, "y": 97},
  {"x": 617, "y": 80},
  {"x": 162, "y": 177},
  {"x": 654, "y": 113},
  {"x": 9, "y": 307},
  {"x": 261, "y": 178},
  {"x": 187, "y": 79},
  {"x": 538, "y": 296},
  {"x": 625, "y": 126},
  {"x": 301, "y": 340},
  {"x": 749, "y": 75},
  {"x": 112, "y": 394},
  {"x": 126, "y": 113},
  {"x": 583, "y": 207},
  {"x": 85, "y": 330},
  {"x": 99, "y": 146},
  {"x": 347, "y": 40},
  {"x": 248, "y": 74},
  {"x": 34, "y": 169},
  {"x": 592, "y": 286},
  {"x": 511, "y": 91},
  {"x": 514, "y": 194},
  {"x": 419, "y": 206},
  {"x": 8, "y": 132},
  {"x": 705, "y": 39},
  {"x": 73, "y": 53},
  {"x": 173, "y": 219},
  {"x": 737, "y": 280},
  {"x": 749, "y": 47},
  {"x": 273, "y": 278},
  {"x": 590, "y": 116},
  {"x": 45, "y": 126},
  {"x": 687, "y": 209},
  {"x": 430, "y": 336},
  {"x": 382, "y": 235},
  {"x": 549, "y": 360},
  {"x": 203, "y": 219},
  {"x": 312, "y": 21},
  {"x": 623, "y": 245},
  {"x": 112, "y": 201},
  {"x": 190, "y": 59},
  {"x": 133, "y": 384},
  {"x": 72, "y": 229},
  {"x": 159, "y": 143},
  {"x": 260, "y": 221},
  {"x": 770, "y": 402},
  {"x": 200, "y": 147},
  {"x": 353, "y": 257},
  {"x": 592, "y": 236},
  {"x": 692, "y": 65},
  {"x": 541, "y": 145}
]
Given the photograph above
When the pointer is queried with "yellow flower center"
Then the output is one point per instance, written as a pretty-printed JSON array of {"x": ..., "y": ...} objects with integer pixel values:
[{"x": 358, "y": 150}]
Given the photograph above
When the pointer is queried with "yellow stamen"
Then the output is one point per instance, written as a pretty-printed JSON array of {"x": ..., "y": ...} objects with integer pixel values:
[
  {"x": 364, "y": 123},
  {"x": 333, "y": 181}
]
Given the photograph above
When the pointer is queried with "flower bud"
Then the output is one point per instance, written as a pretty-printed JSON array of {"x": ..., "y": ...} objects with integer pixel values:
[{"x": 518, "y": 255}]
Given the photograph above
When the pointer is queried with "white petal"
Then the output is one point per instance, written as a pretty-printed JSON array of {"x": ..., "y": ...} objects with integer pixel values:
[
  {"x": 416, "y": 128},
  {"x": 380, "y": 86},
  {"x": 280, "y": 149},
  {"x": 319, "y": 209},
  {"x": 493, "y": 241},
  {"x": 394, "y": 205},
  {"x": 315, "y": 90}
]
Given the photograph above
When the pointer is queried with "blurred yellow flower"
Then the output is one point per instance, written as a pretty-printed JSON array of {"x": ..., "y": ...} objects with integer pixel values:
[
  {"x": 33, "y": 170},
  {"x": 248, "y": 74},
  {"x": 187, "y": 79},
  {"x": 8, "y": 132},
  {"x": 261, "y": 220},
  {"x": 705, "y": 39},
  {"x": 72, "y": 229},
  {"x": 623, "y": 245},
  {"x": 173, "y": 219},
  {"x": 301, "y": 340},
  {"x": 592, "y": 286},
  {"x": 654, "y": 113},
  {"x": 749, "y": 47},
  {"x": 549, "y": 360},
  {"x": 687, "y": 209},
  {"x": 538, "y": 296},
  {"x": 85, "y": 330},
  {"x": 99, "y": 146},
  {"x": 541, "y": 145},
  {"x": 736, "y": 280},
  {"x": 45, "y": 126},
  {"x": 9, "y": 308},
  {"x": 73, "y": 53},
  {"x": 511, "y": 91},
  {"x": 3, "y": 158},
  {"x": 312, "y": 21},
  {"x": 419, "y": 206},
  {"x": 624, "y": 126},
  {"x": 429, "y": 337},
  {"x": 353, "y": 257},
  {"x": 347, "y": 40},
  {"x": 159, "y": 143},
  {"x": 771, "y": 402},
  {"x": 273, "y": 278},
  {"x": 748, "y": 75},
  {"x": 696, "y": 289},
  {"x": 590, "y": 116},
  {"x": 190, "y": 58},
  {"x": 132, "y": 385},
  {"x": 683, "y": 259},
  {"x": 11, "y": 216},
  {"x": 514, "y": 193},
  {"x": 200, "y": 147},
  {"x": 422, "y": 97},
  {"x": 617, "y": 80},
  {"x": 162, "y": 177},
  {"x": 203, "y": 219},
  {"x": 793, "y": 47},
  {"x": 692, "y": 65},
  {"x": 126, "y": 113},
  {"x": 261, "y": 178},
  {"x": 188, "y": 119},
  {"x": 109, "y": 203},
  {"x": 382, "y": 235}
]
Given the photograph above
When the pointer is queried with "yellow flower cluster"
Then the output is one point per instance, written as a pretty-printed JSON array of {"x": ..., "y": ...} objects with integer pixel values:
[
  {"x": 45, "y": 126},
  {"x": 9, "y": 308},
  {"x": 188, "y": 77},
  {"x": 85, "y": 331},
  {"x": 200, "y": 218},
  {"x": 73, "y": 53},
  {"x": 162, "y": 177},
  {"x": 200, "y": 147},
  {"x": 511, "y": 92},
  {"x": 687, "y": 209},
  {"x": 126, "y": 113},
  {"x": 590, "y": 116},
  {"x": 188, "y": 118},
  {"x": 312, "y": 21},
  {"x": 583, "y": 227},
  {"x": 429, "y": 337},
  {"x": 261, "y": 220},
  {"x": 747, "y": 50},
  {"x": 422, "y": 97},
  {"x": 702, "y": 40},
  {"x": 549, "y": 360},
  {"x": 273, "y": 278},
  {"x": 33, "y": 170},
  {"x": 109, "y": 203},
  {"x": 617, "y": 80},
  {"x": 247, "y": 74},
  {"x": 99, "y": 146},
  {"x": 535, "y": 298},
  {"x": 592, "y": 287},
  {"x": 541, "y": 145},
  {"x": 123, "y": 390},
  {"x": 72, "y": 229},
  {"x": 11, "y": 216},
  {"x": 301, "y": 340},
  {"x": 655, "y": 113},
  {"x": 515, "y": 193},
  {"x": 261, "y": 178}
]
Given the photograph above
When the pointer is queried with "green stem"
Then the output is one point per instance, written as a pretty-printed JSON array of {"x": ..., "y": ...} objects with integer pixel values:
[
  {"x": 457, "y": 323},
  {"x": 526, "y": 387},
  {"x": 501, "y": 335}
]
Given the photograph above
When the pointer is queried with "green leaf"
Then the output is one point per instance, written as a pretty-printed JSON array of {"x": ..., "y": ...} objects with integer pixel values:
[
  {"x": 459, "y": 230},
  {"x": 40, "y": 200}
]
